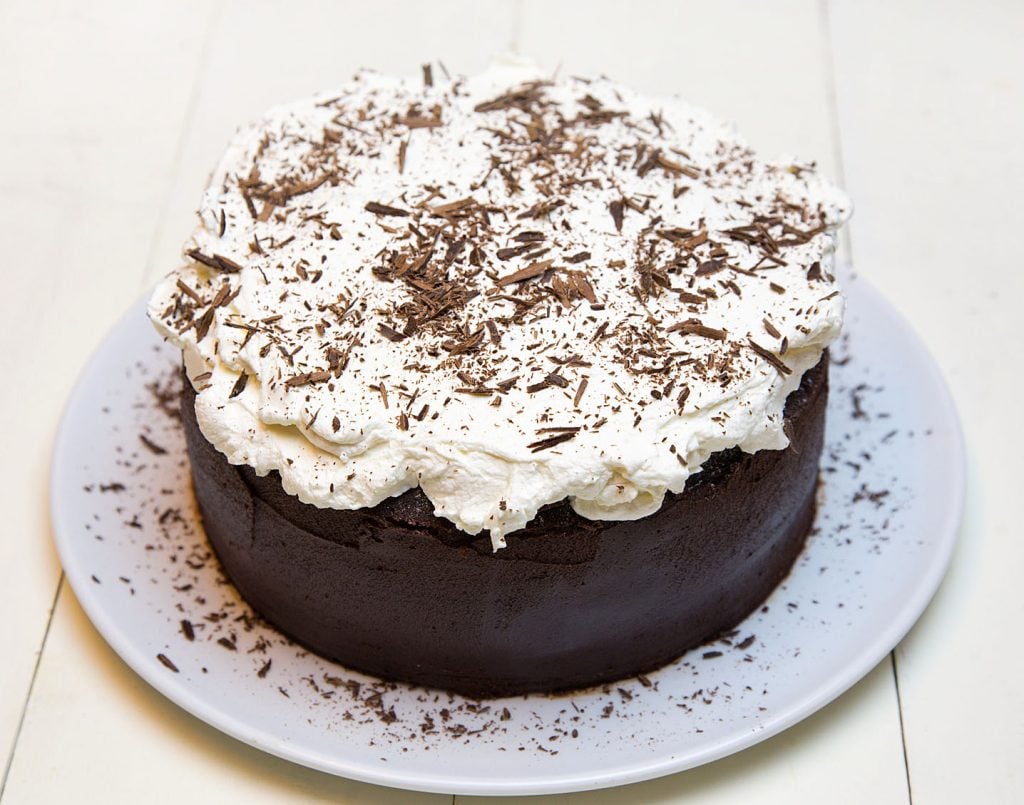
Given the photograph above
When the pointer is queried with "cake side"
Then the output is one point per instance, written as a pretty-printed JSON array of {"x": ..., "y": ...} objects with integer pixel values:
[{"x": 396, "y": 592}]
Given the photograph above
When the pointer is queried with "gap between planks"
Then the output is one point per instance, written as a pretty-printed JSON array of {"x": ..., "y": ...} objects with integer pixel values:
[
  {"x": 212, "y": 19},
  {"x": 212, "y": 23},
  {"x": 31, "y": 686},
  {"x": 903, "y": 734},
  {"x": 825, "y": 17}
]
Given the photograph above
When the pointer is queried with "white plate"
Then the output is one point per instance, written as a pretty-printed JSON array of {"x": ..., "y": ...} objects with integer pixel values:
[{"x": 139, "y": 564}]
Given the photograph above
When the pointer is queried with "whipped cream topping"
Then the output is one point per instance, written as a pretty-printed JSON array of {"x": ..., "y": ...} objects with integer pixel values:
[{"x": 506, "y": 290}]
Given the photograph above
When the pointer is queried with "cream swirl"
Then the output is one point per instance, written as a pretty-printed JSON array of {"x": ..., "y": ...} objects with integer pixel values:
[{"x": 506, "y": 290}]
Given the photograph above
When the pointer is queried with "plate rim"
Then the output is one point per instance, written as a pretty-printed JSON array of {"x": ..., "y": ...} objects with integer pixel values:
[{"x": 913, "y": 606}]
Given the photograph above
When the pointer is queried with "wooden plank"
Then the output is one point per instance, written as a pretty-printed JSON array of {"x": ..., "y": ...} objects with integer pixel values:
[
  {"x": 95, "y": 731},
  {"x": 120, "y": 177},
  {"x": 264, "y": 57},
  {"x": 763, "y": 67},
  {"x": 91, "y": 115},
  {"x": 767, "y": 67},
  {"x": 931, "y": 102}
]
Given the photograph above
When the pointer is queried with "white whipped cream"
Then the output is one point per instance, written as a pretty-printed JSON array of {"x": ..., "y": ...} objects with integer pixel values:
[{"x": 298, "y": 295}]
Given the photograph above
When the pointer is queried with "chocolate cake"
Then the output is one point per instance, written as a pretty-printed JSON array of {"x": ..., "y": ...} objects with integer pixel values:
[
  {"x": 504, "y": 384},
  {"x": 399, "y": 593}
]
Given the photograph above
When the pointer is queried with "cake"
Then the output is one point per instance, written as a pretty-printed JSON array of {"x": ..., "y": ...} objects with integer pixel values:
[{"x": 506, "y": 383}]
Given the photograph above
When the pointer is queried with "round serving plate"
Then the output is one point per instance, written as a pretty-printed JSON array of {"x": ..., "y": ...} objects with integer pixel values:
[{"x": 134, "y": 552}]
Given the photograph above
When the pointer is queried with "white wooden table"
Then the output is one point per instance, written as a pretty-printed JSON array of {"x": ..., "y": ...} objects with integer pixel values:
[{"x": 111, "y": 113}]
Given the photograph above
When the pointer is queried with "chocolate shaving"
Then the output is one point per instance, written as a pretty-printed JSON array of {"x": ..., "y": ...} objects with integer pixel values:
[
  {"x": 674, "y": 167},
  {"x": 308, "y": 377},
  {"x": 492, "y": 329},
  {"x": 689, "y": 298},
  {"x": 551, "y": 441},
  {"x": 531, "y": 271},
  {"x": 152, "y": 446},
  {"x": 465, "y": 345},
  {"x": 579, "y": 393},
  {"x": 402, "y": 148},
  {"x": 616, "y": 208},
  {"x": 512, "y": 251},
  {"x": 217, "y": 262},
  {"x": 385, "y": 209},
  {"x": 695, "y": 328},
  {"x": 769, "y": 356},
  {"x": 420, "y": 122},
  {"x": 522, "y": 98},
  {"x": 239, "y": 386},
  {"x": 203, "y": 323},
  {"x": 189, "y": 292},
  {"x": 165, "y": 661},
  {"x": 709, "y": 267},
  {"x": 249, "y": 205},
  {"x": 453, "y": 206},
  {"x": 221, "y": 296},
  {"x": 390, "y": 334}
]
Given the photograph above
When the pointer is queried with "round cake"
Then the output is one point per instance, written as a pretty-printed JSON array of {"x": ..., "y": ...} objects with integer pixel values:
[{"x": 507, "y": 383}]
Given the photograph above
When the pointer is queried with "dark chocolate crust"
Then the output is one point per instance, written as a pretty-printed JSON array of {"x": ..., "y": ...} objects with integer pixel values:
[{"x": 399, "y": 593}]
